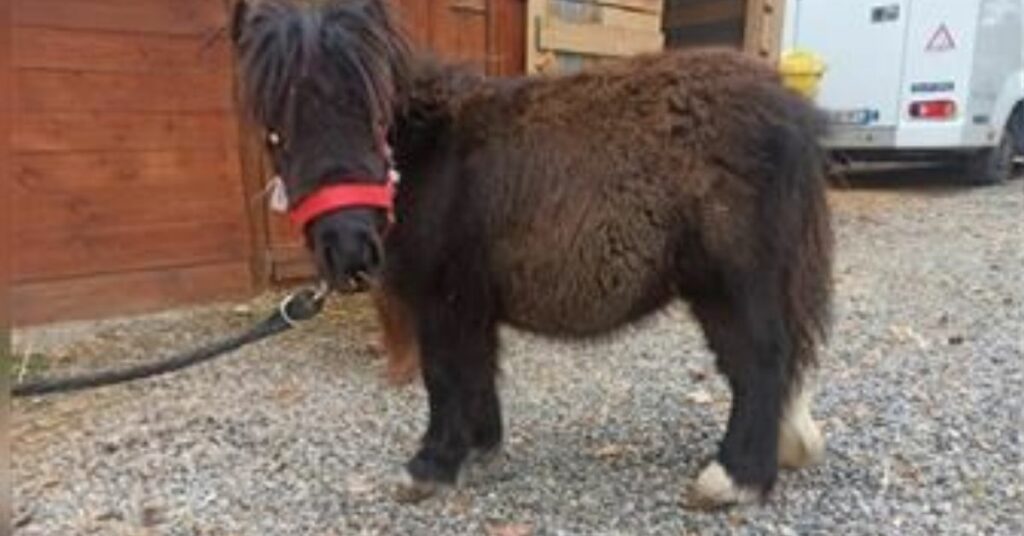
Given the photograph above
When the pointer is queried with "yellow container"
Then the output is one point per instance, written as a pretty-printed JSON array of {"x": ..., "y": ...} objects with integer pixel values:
[{"x": 802, "y": 71}]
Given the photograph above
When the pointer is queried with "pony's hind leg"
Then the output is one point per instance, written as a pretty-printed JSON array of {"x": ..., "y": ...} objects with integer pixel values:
[
  {"x": 458, "y": 350},
  {"x": 746, "y": 331},
  {"x": 800, "y": 441}
]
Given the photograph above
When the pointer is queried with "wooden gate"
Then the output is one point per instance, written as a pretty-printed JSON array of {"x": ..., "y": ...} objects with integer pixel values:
[{"x": 488, "y": 34}]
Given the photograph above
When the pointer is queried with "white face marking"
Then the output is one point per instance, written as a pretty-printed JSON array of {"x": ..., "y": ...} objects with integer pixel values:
[{"x": 274, "y": 138}]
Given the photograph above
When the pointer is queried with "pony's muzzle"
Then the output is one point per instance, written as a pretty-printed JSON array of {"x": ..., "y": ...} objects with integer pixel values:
[{"x": 346, "y": 246}]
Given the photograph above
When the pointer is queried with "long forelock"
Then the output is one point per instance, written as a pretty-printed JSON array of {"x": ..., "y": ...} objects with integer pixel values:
[{"x": 338, "y": 46}]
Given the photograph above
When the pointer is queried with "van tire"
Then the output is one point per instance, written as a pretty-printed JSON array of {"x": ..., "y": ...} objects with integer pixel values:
[{"x": 994, "y": 166}]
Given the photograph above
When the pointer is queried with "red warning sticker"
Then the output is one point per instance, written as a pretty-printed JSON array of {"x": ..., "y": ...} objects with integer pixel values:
[{"x": 941, "y": 41}]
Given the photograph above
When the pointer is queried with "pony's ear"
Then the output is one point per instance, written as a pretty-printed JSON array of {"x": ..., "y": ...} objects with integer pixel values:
[{"x": 238, "y": 20}]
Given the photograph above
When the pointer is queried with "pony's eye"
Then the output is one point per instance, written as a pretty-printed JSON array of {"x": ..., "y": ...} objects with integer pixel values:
[{"x": 274, "y": 139}]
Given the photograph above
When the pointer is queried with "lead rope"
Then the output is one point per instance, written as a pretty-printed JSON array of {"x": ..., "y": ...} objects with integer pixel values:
[
  {"x": 295, "y": 309},
  {"x": 298, "y": 307}
]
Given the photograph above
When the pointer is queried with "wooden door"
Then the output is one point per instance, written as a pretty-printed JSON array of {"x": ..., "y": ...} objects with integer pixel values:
[
  {"x": 127, "y": 193},
  {"x": 487, "y": 34}
]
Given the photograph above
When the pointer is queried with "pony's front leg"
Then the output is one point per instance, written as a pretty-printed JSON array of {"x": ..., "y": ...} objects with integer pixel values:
[{"x": 459, "y": 367}]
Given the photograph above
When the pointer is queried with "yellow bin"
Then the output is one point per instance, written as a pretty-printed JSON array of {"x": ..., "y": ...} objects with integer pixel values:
[{"x": 802, "y": 71}]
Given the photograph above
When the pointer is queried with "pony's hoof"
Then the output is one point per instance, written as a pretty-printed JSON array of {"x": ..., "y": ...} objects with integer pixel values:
[
  {"x": 481, "y": 464},
  {"x": 800, "y": 441},
  {"x": 408, "y": 490},
  {"x": 714, "y": 488},
  {"x": 801, "y": 447},
  {"x": 486, "y": 457}
]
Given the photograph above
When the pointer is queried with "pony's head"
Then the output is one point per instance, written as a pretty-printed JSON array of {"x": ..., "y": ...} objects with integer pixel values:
[{"x": 321, "y": 77}]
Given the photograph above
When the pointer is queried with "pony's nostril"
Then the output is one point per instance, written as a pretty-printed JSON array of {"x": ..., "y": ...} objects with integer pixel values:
[{"x": 347, "y": 247}]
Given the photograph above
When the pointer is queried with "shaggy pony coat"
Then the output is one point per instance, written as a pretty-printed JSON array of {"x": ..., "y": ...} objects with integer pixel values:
[{"x": 567, "y": 206}]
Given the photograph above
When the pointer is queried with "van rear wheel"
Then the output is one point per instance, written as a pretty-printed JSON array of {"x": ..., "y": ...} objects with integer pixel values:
[{"x": 995, "y": 165}]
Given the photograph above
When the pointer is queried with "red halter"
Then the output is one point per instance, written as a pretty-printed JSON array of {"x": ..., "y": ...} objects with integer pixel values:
[
  {"x": 350, "y": 192},
  {"x": 345, "y": 195}
]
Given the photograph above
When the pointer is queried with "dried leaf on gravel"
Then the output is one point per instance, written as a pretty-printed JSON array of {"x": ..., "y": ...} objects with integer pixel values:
[
  {"x": 288, "y": 394},
  {"x": 907, "y": 334},
  {"x": 359, "y": 484},
  {"x": 23, "y": 519},
  {"x": 610, "y": 451},
  {"x": 509, "y": 529}
]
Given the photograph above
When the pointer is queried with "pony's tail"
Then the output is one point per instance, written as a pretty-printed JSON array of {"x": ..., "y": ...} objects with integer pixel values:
[{"x": 804, "y": 229}]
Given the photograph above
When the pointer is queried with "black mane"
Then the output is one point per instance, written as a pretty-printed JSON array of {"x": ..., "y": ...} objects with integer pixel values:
[{"x": 354, "y": 46}]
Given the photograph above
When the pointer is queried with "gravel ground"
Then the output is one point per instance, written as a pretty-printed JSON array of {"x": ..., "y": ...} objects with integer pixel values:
[{"x": 920, "y": 398}]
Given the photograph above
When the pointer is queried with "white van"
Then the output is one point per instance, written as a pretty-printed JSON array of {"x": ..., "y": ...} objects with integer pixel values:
[{"x": 919, "y": 78}]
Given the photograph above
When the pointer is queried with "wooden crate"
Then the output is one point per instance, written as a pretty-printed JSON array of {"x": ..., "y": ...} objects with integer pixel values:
[
  {"x": 763, "y": 28},
  {"x": 565, "y": 35},
  {"x": 754, "y": 26}
]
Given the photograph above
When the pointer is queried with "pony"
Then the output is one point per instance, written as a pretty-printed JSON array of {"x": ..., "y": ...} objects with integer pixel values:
[{"x": 567, "y": 206}]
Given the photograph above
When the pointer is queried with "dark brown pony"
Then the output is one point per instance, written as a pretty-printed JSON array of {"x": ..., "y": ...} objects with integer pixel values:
[{"x": 568, "y": 206}]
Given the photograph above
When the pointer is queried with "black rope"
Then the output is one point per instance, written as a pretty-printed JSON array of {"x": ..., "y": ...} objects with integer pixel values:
[{"x": 301, "y": 306}]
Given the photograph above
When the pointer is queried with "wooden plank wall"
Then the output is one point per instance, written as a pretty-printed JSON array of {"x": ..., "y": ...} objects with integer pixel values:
[
  {"x": 5, "y": 201},
  {"x": 5, "y": 256},
  {"x": 5, "y": 250},
  {"x": 508, "y": 37},
  {"x": 566, "y": 35},
  {"x": 127, "y": 189},
  {"x": 488, "y": 34}
]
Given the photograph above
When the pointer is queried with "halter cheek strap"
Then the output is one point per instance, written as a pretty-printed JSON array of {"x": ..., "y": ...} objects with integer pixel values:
[{"x": 346, "y": 195}]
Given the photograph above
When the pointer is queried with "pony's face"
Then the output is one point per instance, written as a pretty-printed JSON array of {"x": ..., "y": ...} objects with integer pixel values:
[{"x": 320, "y": 79}]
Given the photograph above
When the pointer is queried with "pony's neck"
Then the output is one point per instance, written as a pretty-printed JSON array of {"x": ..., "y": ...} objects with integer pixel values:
[{"x": 428, "y": 107}]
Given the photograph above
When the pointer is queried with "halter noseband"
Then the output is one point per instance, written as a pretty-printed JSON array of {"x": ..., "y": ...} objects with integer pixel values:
[
  {"x": 350, "y": 192},
  {"x": 345, "y": 195}
]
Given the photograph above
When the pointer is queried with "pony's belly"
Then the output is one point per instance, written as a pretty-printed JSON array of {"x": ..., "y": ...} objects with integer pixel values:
[
  {"x": 583, "y": 267},
  {"x": 580, "y": 308}
]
